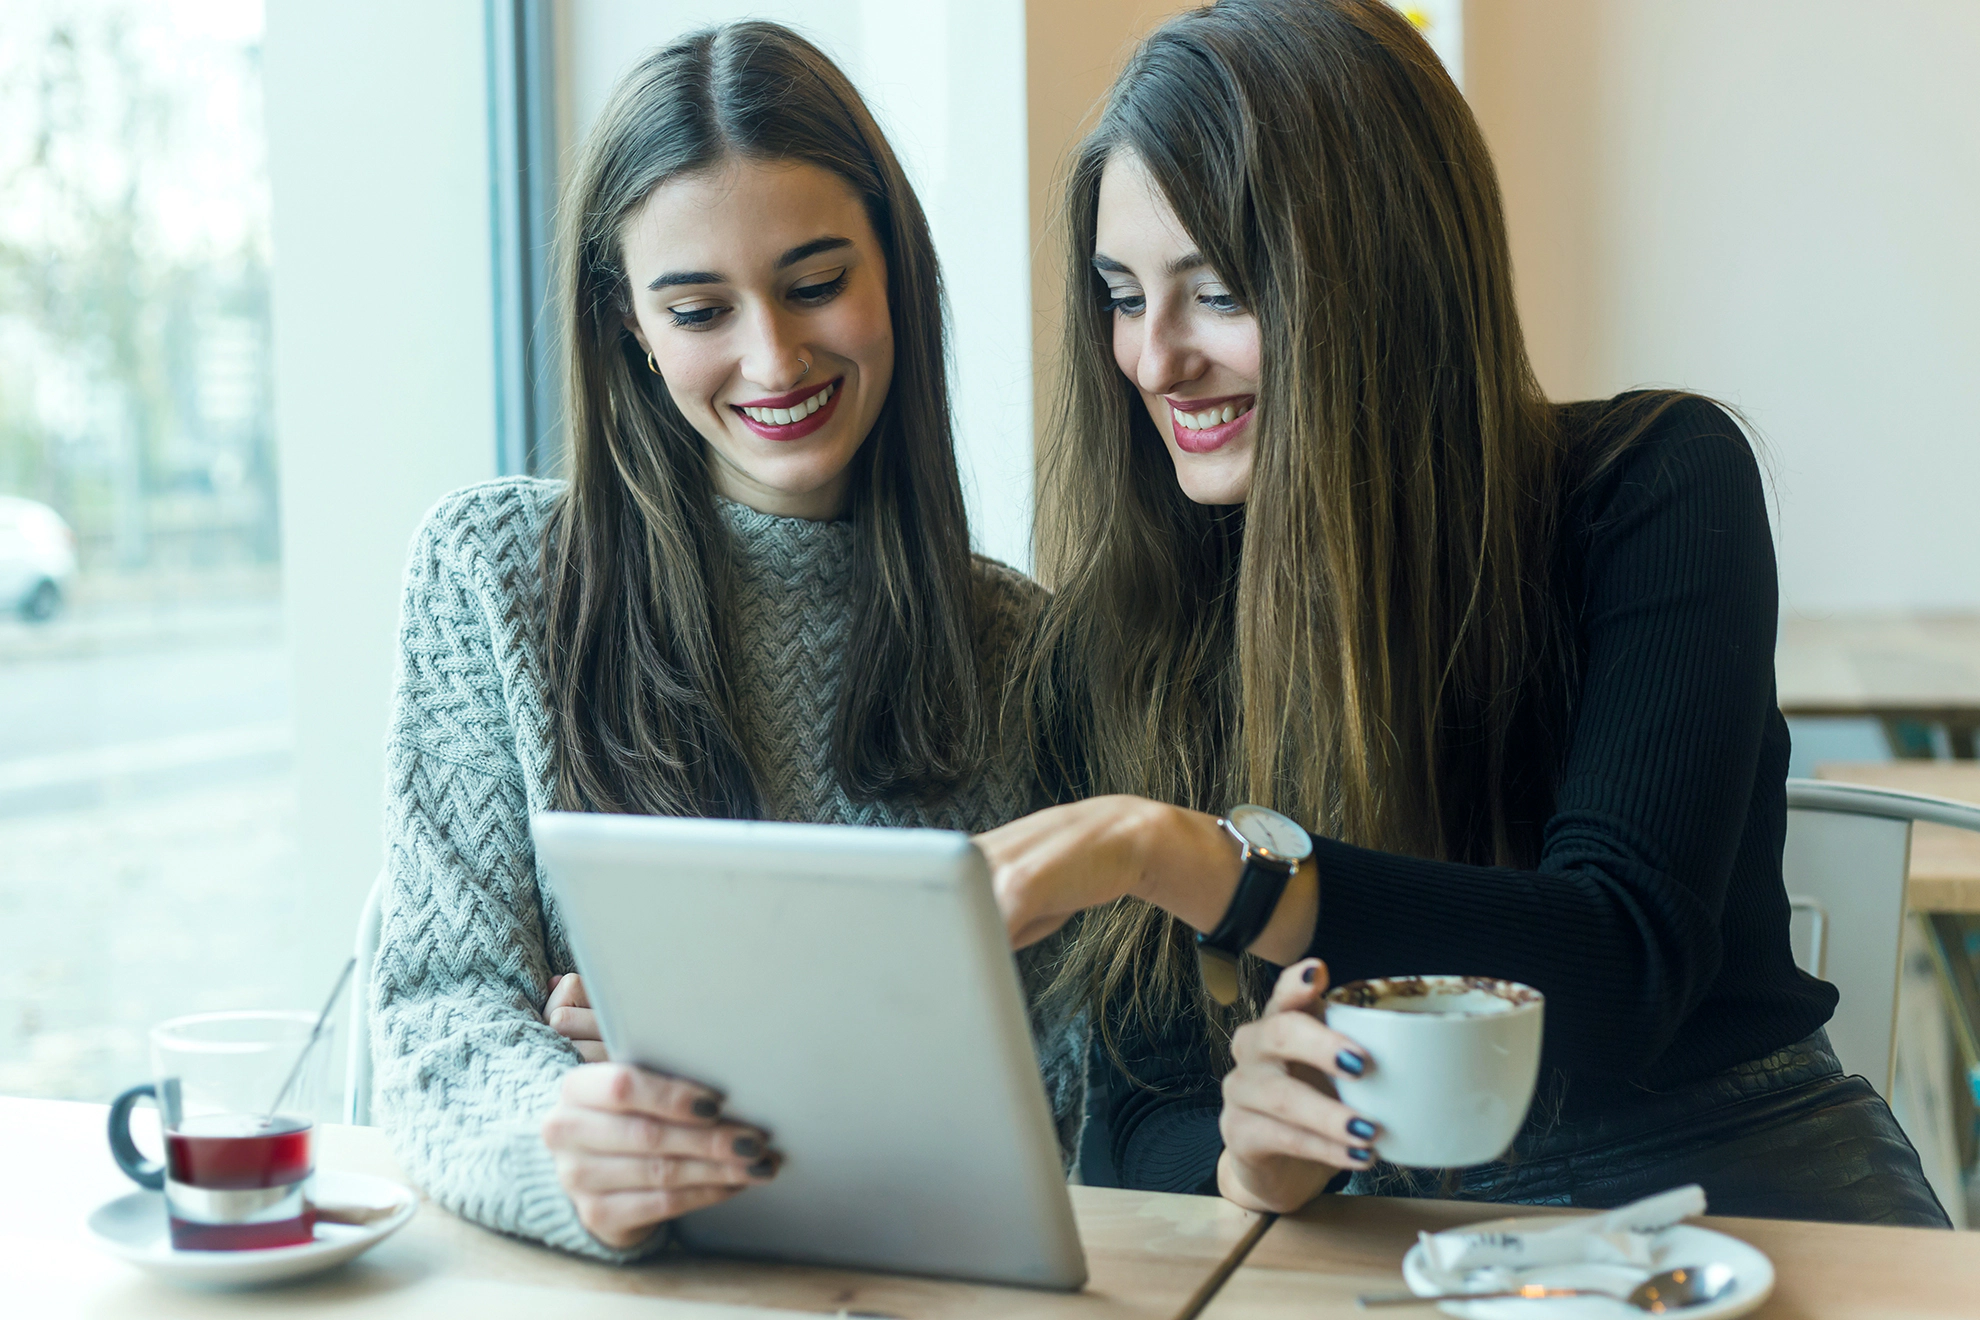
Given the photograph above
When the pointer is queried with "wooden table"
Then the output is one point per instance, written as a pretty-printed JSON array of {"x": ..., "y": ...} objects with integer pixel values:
[
  {"x": 1945, "y": 862},
  {"x": 1150, "y": 1255},
  {"x": 1311, "y": 1265},
  {"x": 1915, "y": 669}
]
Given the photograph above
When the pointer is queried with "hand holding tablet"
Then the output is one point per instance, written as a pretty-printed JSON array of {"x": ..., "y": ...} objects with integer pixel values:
[
  {"x": 569, "y": 1014},
  {"x": 635, "y": 1148},
  {"x": 850, "y": 989}
]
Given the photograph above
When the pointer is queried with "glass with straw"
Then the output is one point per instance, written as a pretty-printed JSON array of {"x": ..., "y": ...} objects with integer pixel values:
[{"x": 237, "y": 1096}]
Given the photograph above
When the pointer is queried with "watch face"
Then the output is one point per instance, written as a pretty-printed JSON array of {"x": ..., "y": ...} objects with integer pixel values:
[{"x": 1276, "y": 834}]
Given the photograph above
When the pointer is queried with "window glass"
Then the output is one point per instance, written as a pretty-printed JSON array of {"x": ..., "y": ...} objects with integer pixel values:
[{"x": 146, "y": 802}]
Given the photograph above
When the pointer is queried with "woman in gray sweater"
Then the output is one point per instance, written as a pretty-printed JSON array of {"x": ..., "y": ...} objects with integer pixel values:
[{"x": 753, "y": 598}]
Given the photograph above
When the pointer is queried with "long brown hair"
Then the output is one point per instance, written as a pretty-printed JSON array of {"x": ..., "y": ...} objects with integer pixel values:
[
  {"x": 1373, "y": 643},
  {"x": 643, "y": 718}
]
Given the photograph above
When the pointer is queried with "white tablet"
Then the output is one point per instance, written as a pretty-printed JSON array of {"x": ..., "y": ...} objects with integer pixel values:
[{"x": 852, "y": 991}]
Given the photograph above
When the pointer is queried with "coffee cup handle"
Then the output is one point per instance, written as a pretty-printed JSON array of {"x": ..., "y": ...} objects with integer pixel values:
[{"x": 143, "y": 1172}]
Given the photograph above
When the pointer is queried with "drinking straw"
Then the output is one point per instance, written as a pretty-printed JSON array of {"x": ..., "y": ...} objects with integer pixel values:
[{"x": 310, "y": 1044}]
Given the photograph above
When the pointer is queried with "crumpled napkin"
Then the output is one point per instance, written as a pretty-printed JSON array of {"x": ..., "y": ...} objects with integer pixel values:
[{"x": 1617, "y": 1237}]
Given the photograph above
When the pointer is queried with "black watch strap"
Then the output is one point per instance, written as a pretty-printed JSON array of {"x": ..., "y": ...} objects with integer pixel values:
[
  {"x": 1259, "y": 889},
  {"x": 1252, "y": 904}
]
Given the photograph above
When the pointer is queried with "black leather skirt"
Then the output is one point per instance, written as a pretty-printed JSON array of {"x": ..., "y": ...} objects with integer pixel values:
[{"x": 1787, "y": 1136}]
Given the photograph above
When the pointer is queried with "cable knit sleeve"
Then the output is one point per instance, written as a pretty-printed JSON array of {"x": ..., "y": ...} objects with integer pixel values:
[
  {"x": 1009, "y": 606},
  {"x": 466, "y": 1067}
]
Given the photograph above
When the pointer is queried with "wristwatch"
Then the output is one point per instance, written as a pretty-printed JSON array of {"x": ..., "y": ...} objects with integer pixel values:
[{"x": 1273, "y": 847}]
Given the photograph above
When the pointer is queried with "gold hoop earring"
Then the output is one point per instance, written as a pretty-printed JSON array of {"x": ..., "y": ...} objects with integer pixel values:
[{"x": 651, "y": 365}]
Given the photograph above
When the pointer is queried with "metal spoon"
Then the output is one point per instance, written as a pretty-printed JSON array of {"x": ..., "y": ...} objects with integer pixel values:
[
  {"x": 1672, "y": 1290},
  {"x": 310, "y": 1044}
]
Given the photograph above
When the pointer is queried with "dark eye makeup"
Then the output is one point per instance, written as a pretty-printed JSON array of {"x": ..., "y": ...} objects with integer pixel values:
[
  {"x": 1134, "y": 304},
  {"x": 823, "y": 291},
  {"x": 809, "y": 295}
]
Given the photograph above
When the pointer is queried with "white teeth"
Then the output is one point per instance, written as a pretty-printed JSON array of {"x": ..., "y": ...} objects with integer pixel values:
[
  {"x": 1209, "y": 417},
  {"x": 796, "y": 413}
]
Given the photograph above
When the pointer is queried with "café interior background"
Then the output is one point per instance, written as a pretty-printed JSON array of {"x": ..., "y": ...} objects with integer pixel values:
[{"x": 251, "y": 317}]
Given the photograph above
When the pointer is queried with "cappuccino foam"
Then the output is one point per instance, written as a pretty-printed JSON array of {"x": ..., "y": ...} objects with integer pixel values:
[
  {"x": 1455, "y": 996},
  {"x": 1464, "y": 1001}
]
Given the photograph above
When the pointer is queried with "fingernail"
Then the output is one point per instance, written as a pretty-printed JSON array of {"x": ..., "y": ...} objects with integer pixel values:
[
  {"x": 749, "y": 1147},
  {"x": 1351, "y": 1063},
  {"x": 707, "y": 1106},
  {"x": 1359, "y": 1154},
  {"x": 1361, "y": 1127},
  {"x": 763, "y": 1168},
  {"x": 1307, "y": 975}
]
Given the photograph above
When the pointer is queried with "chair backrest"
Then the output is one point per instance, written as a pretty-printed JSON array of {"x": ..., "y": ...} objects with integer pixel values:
[
  {"x": 1847, "y": 858},
  {"x": 357, "y": 1073}
]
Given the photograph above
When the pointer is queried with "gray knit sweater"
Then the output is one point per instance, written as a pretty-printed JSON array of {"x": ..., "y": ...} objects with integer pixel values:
[{"x": 466, "y": 1067}]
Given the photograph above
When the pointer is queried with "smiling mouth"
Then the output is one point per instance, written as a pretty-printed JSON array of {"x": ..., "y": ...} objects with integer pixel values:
[
  {"x": 795, "y": 419},
  {"x": 797, "y": 412},
  {"x": 1212, "y": 424},
  {"x": 1212, "y": 416}
]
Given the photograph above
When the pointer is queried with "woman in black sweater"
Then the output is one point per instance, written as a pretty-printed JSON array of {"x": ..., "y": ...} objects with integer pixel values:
[{"x": 1320, "y": 543}]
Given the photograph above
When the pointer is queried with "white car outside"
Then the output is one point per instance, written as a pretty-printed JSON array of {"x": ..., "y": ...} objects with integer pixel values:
[{"x": 37, "y": 558}]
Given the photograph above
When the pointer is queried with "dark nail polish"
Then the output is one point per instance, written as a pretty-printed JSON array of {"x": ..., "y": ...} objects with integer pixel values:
[
  {"x": 749, "y": 1148},
  {"x": 763, "y": 1168},
  {"x": 1359, "y": 1154},
  {"x": 706, "y": 1106},
  {"x": 1307, "y": 975},
  {"x": 1351, "y": 1063},
  {"x": 1361, "y": 1127}
]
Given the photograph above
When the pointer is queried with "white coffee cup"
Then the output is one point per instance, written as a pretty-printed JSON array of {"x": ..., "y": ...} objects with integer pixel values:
[{"x": 1451, "y": 1064}]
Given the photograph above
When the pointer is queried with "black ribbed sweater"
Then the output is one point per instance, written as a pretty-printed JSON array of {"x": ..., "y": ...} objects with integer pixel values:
[{"x": 1655, "y": 922}]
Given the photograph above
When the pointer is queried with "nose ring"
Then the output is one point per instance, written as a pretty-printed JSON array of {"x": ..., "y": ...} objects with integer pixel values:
[{"x": 806, "y": 371}]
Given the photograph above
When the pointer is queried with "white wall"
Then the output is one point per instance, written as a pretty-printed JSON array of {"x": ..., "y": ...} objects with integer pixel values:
[
  {"x": 1772, "y": 202},
  {"x": 946, "y": 80},
  {"x": 384, "y": 372}
]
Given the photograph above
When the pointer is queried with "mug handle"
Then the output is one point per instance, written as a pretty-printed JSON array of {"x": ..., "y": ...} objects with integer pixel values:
[{"x": 143, "y": 1172}]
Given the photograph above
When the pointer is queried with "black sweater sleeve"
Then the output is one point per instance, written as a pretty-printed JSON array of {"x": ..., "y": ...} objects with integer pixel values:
[
  {"x": 1655, "y": 921},
  {"x": 1620, "y": 924},
  {"x": 1158, "y": 1117}
]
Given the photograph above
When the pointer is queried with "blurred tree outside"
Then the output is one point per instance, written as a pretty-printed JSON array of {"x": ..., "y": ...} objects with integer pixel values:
[
  {"x": 134, "y": 364},
  {"x": 147, "y": 794}
]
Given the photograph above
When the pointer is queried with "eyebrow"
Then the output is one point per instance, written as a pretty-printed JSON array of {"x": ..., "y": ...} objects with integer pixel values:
[
  {"x": 829, "y": 243},
  {"x": 1182, "y": 265}
]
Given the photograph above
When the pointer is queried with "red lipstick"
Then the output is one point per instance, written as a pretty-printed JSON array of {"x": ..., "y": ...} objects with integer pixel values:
[
  {"x": 800, "y": 427},
  {"x": 1208, "y": 439}
]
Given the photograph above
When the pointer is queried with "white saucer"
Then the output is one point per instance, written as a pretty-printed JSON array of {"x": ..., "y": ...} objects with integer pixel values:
[
  {"x": 1682, "y": 1244},
  {"x": 133, "y": 1227}
]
